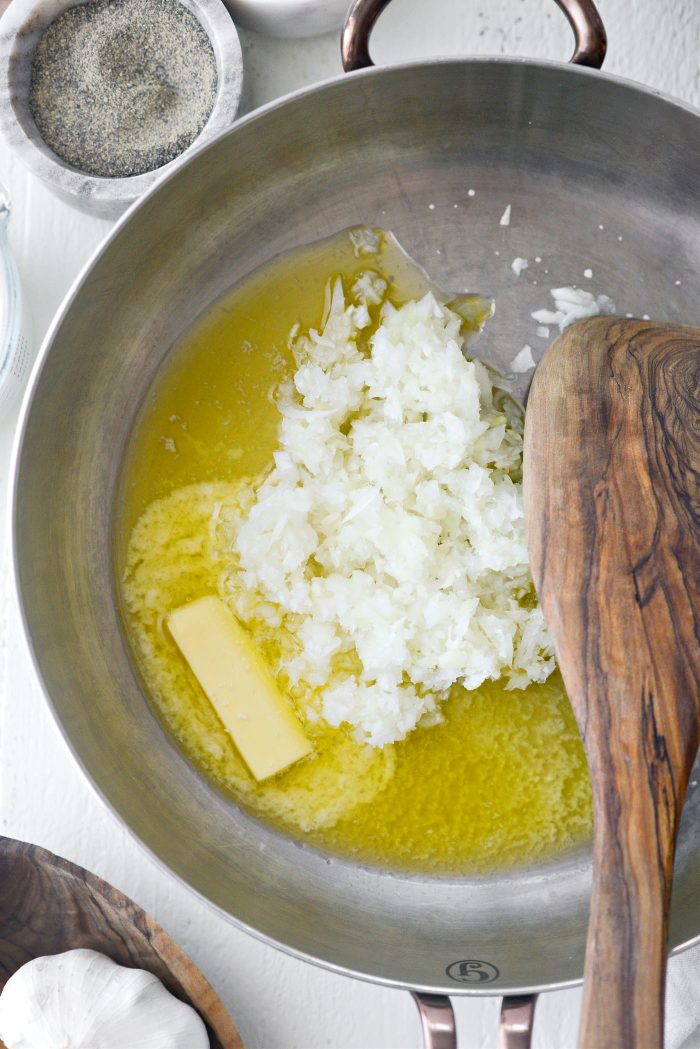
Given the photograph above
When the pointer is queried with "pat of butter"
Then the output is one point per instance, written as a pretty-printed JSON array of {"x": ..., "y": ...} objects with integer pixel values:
[{"x": 239, "y": 686}]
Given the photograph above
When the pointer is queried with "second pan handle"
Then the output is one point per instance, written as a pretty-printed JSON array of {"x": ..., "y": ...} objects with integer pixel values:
[
  {"x": 589, "y": 33},
  {"x": 440, "y": 1029}
]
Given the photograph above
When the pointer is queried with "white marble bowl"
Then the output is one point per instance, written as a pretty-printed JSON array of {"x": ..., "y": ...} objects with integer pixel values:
[
  {"x": 21, "y": 27},
  {"x": 289, "y": 18}
]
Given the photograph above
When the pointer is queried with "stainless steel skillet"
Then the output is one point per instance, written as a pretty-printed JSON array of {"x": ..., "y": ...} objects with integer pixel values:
[{"x": 599, "y": 174}]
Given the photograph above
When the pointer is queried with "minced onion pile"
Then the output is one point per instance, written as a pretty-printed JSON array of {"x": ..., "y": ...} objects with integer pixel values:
[{"x": 389, "y": 538}]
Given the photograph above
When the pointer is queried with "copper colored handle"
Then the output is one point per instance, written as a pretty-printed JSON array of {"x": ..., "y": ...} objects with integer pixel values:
[
  {"x": 590, "y": 40},
  {"x": 437, "y": 1020},
  {"x": 440, "y": 1030},
  {"x": 517, "y": 1018},
  {"x": 589, "y": 33}
]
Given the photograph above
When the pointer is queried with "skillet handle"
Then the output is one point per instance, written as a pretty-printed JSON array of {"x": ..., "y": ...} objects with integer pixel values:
[
  {"x": 589, "y": 33},
  {"x": 437, "y": 1020},
  {"x": 440, "y": 1029},
  {"x": 517, "y": 1018}
]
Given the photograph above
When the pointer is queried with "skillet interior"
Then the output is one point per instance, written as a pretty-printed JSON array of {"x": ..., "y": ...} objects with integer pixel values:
[{"x": 570, "y": 150}]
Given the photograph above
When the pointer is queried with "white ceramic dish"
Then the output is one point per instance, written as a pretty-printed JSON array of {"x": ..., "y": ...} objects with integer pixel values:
[
  {"x": 20, "y": 30},
  {"x": 289, "y": 18}
]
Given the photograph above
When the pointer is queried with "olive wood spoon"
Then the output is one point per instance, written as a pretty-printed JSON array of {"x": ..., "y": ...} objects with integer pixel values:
[{"x": 612, "y": 506}]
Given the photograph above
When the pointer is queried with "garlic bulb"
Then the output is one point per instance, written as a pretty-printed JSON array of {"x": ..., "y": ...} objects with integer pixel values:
[{"x": 84, "y": 1000}]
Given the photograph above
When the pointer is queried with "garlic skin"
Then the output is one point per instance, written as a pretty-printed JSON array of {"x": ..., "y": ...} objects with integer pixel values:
[{"x": 83, "y": 1000}]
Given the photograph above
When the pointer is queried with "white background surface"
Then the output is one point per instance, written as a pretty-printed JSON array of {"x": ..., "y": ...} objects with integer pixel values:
[{"x": 275, "y": 1000}]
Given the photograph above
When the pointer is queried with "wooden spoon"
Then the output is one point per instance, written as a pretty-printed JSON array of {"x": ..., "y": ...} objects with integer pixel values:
[{"x": 612, "y": 504}]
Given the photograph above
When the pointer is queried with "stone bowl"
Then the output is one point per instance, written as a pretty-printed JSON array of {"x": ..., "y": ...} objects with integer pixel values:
[{"x": 21, "y": 27}]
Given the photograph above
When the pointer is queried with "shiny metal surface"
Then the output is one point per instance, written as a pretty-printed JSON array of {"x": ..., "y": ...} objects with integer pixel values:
[
  {"x": 517, "y": 1019},
  {"x": 570, "y": 150},
  {"x": 437, "y": 1020},
  {"x": 590, "y": 40}
]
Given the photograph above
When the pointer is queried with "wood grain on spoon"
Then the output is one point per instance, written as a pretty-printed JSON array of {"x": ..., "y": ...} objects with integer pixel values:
[{"x": 612, "y": 500}]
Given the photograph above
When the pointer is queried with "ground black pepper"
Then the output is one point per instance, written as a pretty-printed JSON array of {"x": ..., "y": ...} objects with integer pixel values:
[{"x": 120, "y": 87}]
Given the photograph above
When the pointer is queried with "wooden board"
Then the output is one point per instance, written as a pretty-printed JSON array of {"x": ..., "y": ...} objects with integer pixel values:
[{"x": 49, "y": 905}]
